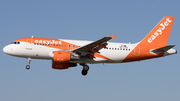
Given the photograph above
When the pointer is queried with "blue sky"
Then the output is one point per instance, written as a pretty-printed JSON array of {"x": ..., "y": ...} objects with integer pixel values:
[{"x": 149, "y": 80}]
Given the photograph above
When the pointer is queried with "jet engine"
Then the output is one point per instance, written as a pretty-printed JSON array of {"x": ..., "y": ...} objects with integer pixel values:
[{"x": 62, "y": 60}]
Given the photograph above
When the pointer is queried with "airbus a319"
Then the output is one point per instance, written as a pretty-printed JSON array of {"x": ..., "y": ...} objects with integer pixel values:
[{"x": 69, "y": 53}]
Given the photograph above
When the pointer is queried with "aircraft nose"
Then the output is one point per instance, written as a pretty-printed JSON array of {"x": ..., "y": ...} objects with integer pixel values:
[{"x": 6, "y": 49}]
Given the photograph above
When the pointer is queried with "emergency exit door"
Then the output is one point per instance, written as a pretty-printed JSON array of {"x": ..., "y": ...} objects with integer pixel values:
[{"x": 137, "y": 50}]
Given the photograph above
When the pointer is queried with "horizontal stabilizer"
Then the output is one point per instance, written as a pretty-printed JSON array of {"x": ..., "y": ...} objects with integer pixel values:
[{"x": 163, "y": 49}]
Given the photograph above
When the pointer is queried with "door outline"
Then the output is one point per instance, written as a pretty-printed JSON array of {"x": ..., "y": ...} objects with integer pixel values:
[
  {"x": 29, "y": 44},
  {"x": 137, "y": 50}
]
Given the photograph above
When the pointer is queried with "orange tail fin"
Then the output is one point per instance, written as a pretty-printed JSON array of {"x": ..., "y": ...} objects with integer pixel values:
[
  {"x": 156, "y": 39},
  {"x": 159, "y": 35}
]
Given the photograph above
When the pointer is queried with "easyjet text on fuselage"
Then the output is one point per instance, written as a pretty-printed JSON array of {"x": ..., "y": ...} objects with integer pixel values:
[{"x": 47, "y": 41}]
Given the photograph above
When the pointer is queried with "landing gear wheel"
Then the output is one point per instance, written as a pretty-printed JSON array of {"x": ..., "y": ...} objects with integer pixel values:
[
  {"x": 84, "y": 72},
  {"x": 27, "y": 67}
]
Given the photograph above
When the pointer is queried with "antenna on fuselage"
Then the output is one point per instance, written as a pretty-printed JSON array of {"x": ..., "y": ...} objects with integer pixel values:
[{"x": 32, "y": 36}]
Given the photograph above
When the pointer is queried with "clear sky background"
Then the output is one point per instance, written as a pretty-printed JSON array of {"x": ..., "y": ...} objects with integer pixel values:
[{"x": 149, "y": 80}]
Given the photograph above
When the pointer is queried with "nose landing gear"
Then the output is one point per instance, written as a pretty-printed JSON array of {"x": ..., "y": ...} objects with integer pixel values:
[{"x": 28, "y": 66}]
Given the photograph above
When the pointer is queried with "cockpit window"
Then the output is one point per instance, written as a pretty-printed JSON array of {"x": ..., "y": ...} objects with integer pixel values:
[{"x": 16, "y": 42}]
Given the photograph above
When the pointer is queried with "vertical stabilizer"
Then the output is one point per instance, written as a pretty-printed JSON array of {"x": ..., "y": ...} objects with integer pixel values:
[
  {"x": 159, "y": 35},
  {"x": 156, "y": 39}
]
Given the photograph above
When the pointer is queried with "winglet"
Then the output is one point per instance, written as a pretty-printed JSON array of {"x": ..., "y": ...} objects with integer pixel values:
[{"x": 113, "y": 36}]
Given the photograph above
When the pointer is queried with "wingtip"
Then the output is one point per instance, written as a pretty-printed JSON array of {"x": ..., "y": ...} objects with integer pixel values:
[{"x": 113, "y": 36}]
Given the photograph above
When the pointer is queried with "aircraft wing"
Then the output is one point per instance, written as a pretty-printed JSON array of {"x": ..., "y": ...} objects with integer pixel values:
[{"x": 93, "y": 47}]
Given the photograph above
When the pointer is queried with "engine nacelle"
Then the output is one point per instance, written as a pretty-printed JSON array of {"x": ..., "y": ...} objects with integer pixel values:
[
  {"x": 62, "y": 60},
  {"x": 65, "y": 57}
]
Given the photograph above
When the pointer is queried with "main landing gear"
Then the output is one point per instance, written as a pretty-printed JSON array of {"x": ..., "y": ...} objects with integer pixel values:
[
  {"x": 85, "y": 69},
  {"x": 28, "y": 66}
]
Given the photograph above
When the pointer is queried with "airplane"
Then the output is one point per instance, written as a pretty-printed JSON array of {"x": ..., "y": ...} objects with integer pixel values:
[{"x": 68, "y": 53}]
